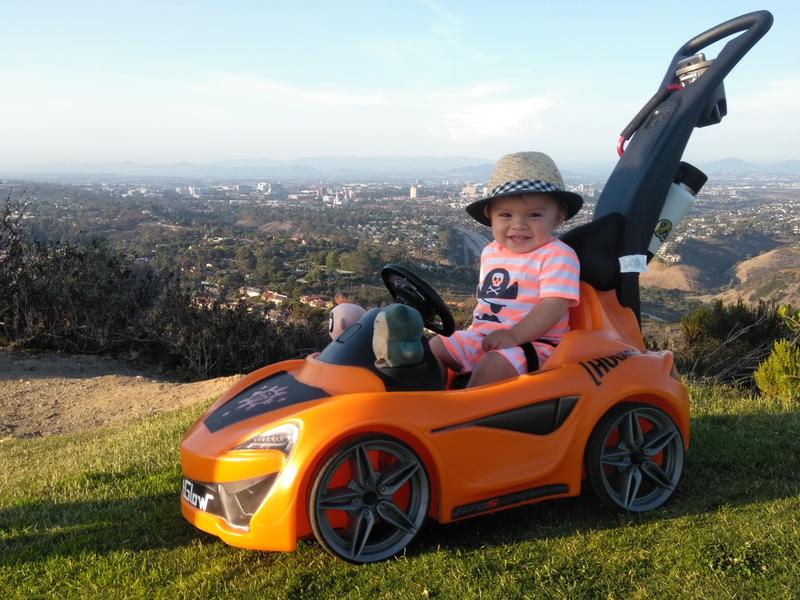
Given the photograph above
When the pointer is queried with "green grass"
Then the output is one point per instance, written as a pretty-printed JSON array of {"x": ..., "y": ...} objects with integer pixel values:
[{"x": 96, "y": 515}]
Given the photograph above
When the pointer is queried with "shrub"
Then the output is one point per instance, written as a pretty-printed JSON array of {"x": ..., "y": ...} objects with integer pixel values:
[
  {"x": 92, "y": 299},
  {"x": 85, "y": 299},
  {"x": 726, "y": 342},
  {"x": 221, "y": 340},
  {"x": 790, "y": 316},
  {"x": 779, "y": 375}
]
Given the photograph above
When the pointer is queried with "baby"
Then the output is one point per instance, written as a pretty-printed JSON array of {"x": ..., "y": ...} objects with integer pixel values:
[{"x": 528, "y": 277}]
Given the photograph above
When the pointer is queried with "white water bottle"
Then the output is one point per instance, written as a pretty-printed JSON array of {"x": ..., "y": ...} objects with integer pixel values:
[{"x": 683, "y": 191}]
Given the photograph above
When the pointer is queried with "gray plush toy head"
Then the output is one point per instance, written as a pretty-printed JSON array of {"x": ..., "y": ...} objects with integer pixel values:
[{"x": 397, "y": 337}]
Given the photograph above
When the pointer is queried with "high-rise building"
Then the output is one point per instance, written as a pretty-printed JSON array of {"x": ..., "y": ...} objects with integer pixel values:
[{"x": 413, "y": 193}]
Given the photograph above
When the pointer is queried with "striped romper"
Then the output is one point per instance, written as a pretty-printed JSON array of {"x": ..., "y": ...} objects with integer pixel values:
[{"x": 511, "y": 285}]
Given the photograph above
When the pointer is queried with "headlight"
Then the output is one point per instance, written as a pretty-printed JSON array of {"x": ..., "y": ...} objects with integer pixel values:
[{"x": 281, "y": 438}]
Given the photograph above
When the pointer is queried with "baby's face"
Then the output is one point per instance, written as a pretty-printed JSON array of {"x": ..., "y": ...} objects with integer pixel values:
[{"x": 525, "y": 222}]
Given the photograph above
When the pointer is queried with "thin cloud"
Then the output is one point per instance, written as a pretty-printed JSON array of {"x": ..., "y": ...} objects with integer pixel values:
[
  {"x": 176, "y": 8},
  {"x": 484, "y": 109},
  {"x": 769, "y": 96},
  {"x": 482, "y": 96},
  {"x": 314, "y": 96},
  {"x": 760, "y": 125},
  {"x": 496, "y": 119},
  {"x": 447, "y": 22},
  {"x": 447, "y": 29},
  {"x": 445, "y": 14},
  {"x": 233, "y": 114}
]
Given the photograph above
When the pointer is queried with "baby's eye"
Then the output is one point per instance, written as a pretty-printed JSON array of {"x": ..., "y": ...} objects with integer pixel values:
[
  {"x": 504, "y": 215},
  {"x": 534, "y": 214}
]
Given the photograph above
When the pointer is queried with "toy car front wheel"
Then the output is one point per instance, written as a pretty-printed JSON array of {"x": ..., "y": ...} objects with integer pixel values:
[
  {"x": 369, "y": 499},
  {"x": 634, "y": 459}
]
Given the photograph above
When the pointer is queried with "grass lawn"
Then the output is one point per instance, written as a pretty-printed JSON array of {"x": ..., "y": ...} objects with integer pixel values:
[{"x": 96, "y": 515}]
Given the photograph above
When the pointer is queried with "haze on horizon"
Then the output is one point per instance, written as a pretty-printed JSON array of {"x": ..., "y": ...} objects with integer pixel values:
[{"x": 162, "y": 82}]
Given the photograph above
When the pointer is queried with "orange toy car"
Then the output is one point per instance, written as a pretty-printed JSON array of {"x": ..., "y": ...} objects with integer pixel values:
[{"x": 360, "y": 456}]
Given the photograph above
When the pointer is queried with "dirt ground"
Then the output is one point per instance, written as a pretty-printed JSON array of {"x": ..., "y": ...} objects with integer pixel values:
[{"x": 47, "y": 394}]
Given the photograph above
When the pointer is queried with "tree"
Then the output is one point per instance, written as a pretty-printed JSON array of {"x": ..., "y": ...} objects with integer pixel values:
[
  {"x": 245, "y": 259},
  {"x": 332, "y": 260},
  {"x": 357, "y": 261},
  {"x": 231, "y": 280}
]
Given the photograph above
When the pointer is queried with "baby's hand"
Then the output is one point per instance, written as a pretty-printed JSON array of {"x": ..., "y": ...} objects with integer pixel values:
[{"x": 499, "y": 339}]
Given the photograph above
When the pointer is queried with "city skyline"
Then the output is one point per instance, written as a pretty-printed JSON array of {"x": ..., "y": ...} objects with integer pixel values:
[{"x": 159, "y": 83}]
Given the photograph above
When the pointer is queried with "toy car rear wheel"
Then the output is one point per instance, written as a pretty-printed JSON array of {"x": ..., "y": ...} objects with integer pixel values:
[
  {"x": 635, "y": 456},
  {"x": 369, "y": 499}
]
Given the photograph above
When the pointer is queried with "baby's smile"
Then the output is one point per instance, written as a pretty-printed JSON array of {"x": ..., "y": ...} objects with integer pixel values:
[{"x": 525, "y": 222}]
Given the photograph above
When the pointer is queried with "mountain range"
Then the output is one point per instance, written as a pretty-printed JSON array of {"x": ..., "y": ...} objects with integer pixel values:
[
  {"x": 340, "y": 167},
  {"x": 460, "y": 168}
]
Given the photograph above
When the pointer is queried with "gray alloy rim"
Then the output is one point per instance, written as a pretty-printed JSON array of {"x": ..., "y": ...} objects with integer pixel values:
[
  {"x": 385, "y": 505},
  {"x": 641, "y": 469}
]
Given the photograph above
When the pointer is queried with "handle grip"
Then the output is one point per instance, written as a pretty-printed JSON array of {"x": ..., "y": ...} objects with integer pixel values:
[{"x": 754, "y": 25}]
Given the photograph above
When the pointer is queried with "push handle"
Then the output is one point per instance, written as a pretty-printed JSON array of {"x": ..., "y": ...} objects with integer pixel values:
[
  {"x": 640, "y": 182},
  {"x": 754, "y": 25}
]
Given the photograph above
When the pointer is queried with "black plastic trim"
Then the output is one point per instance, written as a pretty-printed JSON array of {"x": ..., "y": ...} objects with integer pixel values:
[
  {"x": 535, "y": 419},
  {"x": 507, "y": 500},
  {"x": 236, "y": 502}
]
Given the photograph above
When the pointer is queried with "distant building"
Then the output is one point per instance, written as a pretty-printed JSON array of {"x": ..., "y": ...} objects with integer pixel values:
[
  {"x": 317, "y": 301},
  {"x": 470, "y": 191},
  {"x": 250, "y": 292},
  {"x": 413, "y": 192},
  {"x": 211, "y": 290},
  {"x": 274, "y": 297}
]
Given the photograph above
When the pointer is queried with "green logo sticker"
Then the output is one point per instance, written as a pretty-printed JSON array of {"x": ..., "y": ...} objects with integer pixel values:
[{"x": 663, "y": 228}]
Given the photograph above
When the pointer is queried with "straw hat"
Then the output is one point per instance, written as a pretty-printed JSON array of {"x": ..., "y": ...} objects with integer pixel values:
[{"x": 522, "y": 173}]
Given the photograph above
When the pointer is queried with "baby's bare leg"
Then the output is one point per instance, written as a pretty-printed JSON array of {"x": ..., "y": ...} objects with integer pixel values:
[
  {"x": 492, "y": 367},
  {"x": 443, "y": 358}
]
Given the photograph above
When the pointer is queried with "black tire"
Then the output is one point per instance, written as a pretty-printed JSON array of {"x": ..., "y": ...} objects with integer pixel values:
[
  {"x": 634, "y": 458},
  {"x": 380, "y": 508}
]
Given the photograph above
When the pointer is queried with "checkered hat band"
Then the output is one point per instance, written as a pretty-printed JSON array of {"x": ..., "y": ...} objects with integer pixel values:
[{"x": 523, "y": 185}]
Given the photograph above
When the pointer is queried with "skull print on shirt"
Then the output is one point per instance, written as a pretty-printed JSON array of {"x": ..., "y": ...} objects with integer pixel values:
[{"x": 496, "y": 284}]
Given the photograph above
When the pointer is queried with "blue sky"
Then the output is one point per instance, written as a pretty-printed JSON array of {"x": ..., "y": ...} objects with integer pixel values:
[{"x": 174, "y": 80}]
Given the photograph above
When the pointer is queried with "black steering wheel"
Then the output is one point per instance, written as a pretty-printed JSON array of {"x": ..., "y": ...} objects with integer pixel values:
[{"x": 407, "y": 288}]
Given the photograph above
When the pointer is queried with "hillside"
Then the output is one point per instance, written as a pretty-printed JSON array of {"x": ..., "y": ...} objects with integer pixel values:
[
  {"x": 772, "y": 275},
  {"x": 717, "y": 257},
  {"x": 673, "y": 277},
  {"x": 46, "y": 394},
  {"x": 707, "y": 264}
]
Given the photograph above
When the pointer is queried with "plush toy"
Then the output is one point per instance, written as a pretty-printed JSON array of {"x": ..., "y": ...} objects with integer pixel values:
[
  {"x": 397, "y": 337},
  {"x": 341, "y": 316}
]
